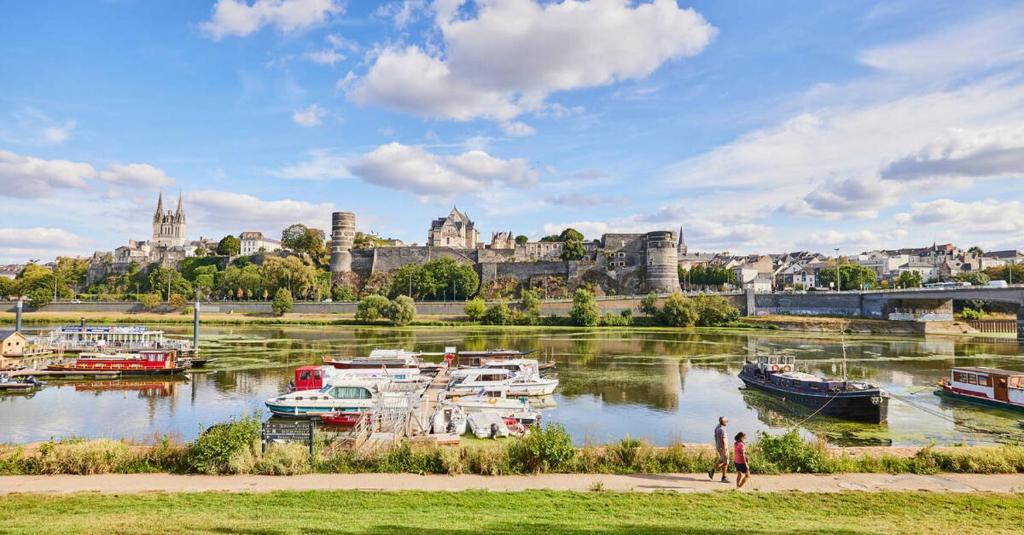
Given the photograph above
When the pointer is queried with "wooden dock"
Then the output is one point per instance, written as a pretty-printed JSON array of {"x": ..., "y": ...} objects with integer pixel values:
[{"x": 428, "y": 403}]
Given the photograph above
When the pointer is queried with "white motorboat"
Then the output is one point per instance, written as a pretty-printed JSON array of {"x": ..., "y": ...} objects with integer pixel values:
[
  {"x": 526, "y": 379},
  {"x": 379, "y": 358},
  {"x": 487, "y": 425},
  {"x": 343, "y": 396},
  {"x": 469, "y": 380},
  {"x": 449, "y": 419},
  {"x": 495, "y": 399}
]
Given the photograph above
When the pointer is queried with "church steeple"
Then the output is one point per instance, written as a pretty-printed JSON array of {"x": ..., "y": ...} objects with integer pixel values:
[
  {"x": 158, "y": 215},
  {"x": 179, "y": 214},
  {"x": 681, "y": 246}
]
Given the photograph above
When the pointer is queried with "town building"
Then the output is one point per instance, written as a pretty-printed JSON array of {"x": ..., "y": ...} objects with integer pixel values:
[
  {"x": 456, "y": 230},
  {"x": 255, "y": 243}
]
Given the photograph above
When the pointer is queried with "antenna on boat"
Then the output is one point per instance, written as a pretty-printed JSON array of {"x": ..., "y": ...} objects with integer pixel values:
[{"x": 842, "y": 340}]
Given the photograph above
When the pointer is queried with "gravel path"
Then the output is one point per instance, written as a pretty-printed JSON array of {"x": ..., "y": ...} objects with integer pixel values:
[{"x": 136, "y": 483}]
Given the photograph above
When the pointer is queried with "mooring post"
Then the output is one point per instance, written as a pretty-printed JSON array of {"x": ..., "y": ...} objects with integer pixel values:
[
  {"x": 17, "y": 315},
  {"x": 195, "y": 329},
  {"x": 312, "y": 428}
]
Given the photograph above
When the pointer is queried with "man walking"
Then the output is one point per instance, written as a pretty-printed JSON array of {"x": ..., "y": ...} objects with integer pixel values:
[{"x": 722, "y": 447}]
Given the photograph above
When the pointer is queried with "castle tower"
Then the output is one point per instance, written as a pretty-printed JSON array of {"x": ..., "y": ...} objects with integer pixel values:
[
  {"x": 662, "y": 262},
  {"x": 343, "y": 235}
]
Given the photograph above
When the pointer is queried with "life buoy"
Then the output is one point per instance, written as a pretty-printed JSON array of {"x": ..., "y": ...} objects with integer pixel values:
[
  {"x": 775, "y": 367},
  {"x": 787, "y": 368},
  {"x": 492, "y": 401}
]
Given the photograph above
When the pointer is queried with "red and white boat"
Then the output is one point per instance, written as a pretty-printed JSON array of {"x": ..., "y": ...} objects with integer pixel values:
[
  {"x": 988, "y": 386},
  {"x": 151, "y": 362}
]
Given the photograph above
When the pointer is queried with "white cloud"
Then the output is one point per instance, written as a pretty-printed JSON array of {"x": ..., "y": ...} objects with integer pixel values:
[
  {"x": 326, "y": 56},
  {"x": 136, "y": 174},
  {"x": 491, "y": 68},
  {"x": 415, "y": 170},
  {"x": 401, "y": 13},
  {"x": 322, "y": 165},
  {"x": 517, "y": 129},
  {"x": 859, "y": 240},
  {"x": 964, "y": 154},
  {"x": 230, "y": 212},
  {"x": 311, "y": 116},
  {"x": 57, "y": 134},
  {"x": 30, "y": 177},
  {"x": 852, "y": 197},
  {"x": 579, "y": 199},
  {"x": 241, "y": 18},
  {"x": 701, "y": 234},
  {"x": 986, "y": 216},
  {"x": 346, "y": 81},
  {"x": 20, "y": 244}
]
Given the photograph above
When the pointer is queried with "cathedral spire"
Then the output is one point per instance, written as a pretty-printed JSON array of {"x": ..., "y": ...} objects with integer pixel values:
[
  {"x": 179, "y": 214},
  {"x": 681, "y": 246},
  {"x": 159, "y": 207}
]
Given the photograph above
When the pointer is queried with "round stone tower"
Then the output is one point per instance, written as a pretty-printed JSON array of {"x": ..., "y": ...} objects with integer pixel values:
[
  {"x": 343, "y": 235},
  {"x": 662, "y": 262}
]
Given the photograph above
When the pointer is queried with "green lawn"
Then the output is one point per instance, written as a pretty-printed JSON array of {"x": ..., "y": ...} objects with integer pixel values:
[{"x": 521, "y": 512}]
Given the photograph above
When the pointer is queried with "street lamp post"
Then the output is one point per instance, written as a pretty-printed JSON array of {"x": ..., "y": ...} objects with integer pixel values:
[{"x": 837, "y": 268}]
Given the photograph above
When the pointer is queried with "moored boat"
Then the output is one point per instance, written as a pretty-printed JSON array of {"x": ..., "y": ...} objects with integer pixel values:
[
  {"x": 128, "y": 338},
  {"x": 8, "y": 384},
  {"x": 148, "y": 362},
  {"x": 988, "y": 386},
  {"x": 346, "y": 396},
  {"x": 378, "y": 358},
  {"x": 315, "y": 377},
  {"x": 840, "y": 398}
]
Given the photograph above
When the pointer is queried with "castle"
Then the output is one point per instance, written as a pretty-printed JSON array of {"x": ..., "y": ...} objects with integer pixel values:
[{"x": 615, "y": 264}]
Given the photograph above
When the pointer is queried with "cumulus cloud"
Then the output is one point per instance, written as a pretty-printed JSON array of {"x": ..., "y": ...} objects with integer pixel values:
[
  {"x": 58, "y": 133},
  {"x": 964, "y": 154},
  {"x": 852, "y": 197},
  {"x": 986, "y": 216},
  {"x": 136, "y": 174},
  {"x": 517, "y": 129},
  {"x": 241, "y": 18},
  {"x": 30, "y": 177},
  {"x": 701, "y": 234},
  {"x": 231, "y": 212},
  {"x": 19, "y": 243},
  {"x": 492, "y": 69},
  {"x": 583, "y": 200},
  {"x": 401, "y": 13},
  {"x": 310, "y": 116},
  {"x": 321, "y": 165},
  {"x": 416, "y": 170}
]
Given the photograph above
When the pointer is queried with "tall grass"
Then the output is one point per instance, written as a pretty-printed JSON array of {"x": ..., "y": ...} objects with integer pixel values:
[{"x": 233, "y": 448}]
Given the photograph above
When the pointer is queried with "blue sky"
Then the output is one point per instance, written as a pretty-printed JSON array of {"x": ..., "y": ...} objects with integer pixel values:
[{"x": 758, "y": 126}]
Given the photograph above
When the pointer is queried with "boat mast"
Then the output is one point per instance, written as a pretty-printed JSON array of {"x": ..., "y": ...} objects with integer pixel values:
[{"x": 842, "y": 339}]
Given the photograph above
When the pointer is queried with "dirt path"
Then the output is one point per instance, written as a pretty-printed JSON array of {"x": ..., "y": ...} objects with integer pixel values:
[{"x": 135, "y": 483}]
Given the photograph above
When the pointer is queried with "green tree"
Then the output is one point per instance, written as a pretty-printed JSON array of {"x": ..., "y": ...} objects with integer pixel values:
[
  {"x": 205, "y": 281},
  {"x": 240, "y": 282},
  {"x": 343, "y": 294},
  {"x": 851, "y": 277},
  {"x": 573, "y": 250},
  {"x": 584, "y": 310},
  {"x": 40, "y": 297},
  {"x": 7, "y": 288},
  {"x": 282, "y": 301},
  {"x": 229, "y": 246},
  {"x": 522, "y": 240},
  {"x": 442, "y": 278},
  {"x": 70, "y": 274},
  {"x": 909, "y": 279},
  {"x": 498, "y": 314},
  {"x": 475, "y": 308},
  {"x": 168, "y": 281},
  {"x": 292, "y": 273},
  {"x": 372, "y": 307},
  {"x": 714, "y": 310},
  {"x": 529, "y": 304},
  {"x": 177, "y": 301},
  {"x": 649, "y": 304},
  {"x": 302, "y": 239},
  {"x": 678, "y": 311},
  {"x": 1010, "y": 273},
  {"x": 976, "y": 278},
  {"x": 570, "y": 234},
  {"x": 401, "y": 310},
  {"x": 975, "y": 250}
]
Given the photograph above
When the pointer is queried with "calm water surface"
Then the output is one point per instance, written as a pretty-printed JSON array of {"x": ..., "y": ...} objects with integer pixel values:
[{"x": 660, "y": 386}]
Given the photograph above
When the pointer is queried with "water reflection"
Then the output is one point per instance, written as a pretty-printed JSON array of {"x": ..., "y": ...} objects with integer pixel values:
[{"x": 658, "y": 385}]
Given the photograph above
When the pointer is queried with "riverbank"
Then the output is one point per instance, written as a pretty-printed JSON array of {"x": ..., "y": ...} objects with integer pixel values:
[{"x": 526, "y": 512}]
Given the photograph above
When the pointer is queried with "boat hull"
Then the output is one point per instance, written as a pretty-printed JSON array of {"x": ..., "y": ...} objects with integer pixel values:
[
  {"x": 867, "y": 406},
  {"x": 949, "y": 393},
  {"x": 124, "y": 371}
]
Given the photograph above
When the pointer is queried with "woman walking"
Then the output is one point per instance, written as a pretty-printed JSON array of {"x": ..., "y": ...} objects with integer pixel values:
[{"x": 739, "y": 458}]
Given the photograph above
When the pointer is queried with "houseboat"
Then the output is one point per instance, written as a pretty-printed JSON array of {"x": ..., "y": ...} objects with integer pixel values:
[
  {"x": 345, "y": 397},
  {"x": 988, "y": 386},
  {"x": 840, "y": 398},
  {"x": 149, "y": 362},
  {"x": 315, "y": 377},
  {"x": 476, "y": 359},
  {"x": 116, "y": 338}
]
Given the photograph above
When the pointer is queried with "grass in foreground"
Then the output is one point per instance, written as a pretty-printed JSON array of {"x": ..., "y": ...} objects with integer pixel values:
[{"x": 521, "y": 512}]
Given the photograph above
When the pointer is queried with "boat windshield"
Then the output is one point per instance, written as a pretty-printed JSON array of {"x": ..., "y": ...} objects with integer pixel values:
[{"x": 326, "y": 389}]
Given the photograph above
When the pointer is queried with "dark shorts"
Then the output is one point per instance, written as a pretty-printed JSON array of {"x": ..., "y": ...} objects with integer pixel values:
[{"x": 742, "y": 468}]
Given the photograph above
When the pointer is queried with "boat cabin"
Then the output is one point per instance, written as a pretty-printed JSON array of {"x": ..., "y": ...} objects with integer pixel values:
[
  {"x": 993, "y": 384},
  {"x": 309, "y": 378}
]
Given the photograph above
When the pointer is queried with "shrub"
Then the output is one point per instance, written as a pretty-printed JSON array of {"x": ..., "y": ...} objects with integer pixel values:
[
  {"x": 401, "y": 310},
  {"x": 82, "y": 457},
  {"x": 789, "y": 452},
  {"x": 177, "y": 301},
  {"x": 649, "y": 304},
  {"x": 678, "y": 311},
  {"x": 226, "y": 448},
  {"x": 529, "y": 303},
  {"x": 372, "y": 307},
  {"x": 546, "y": 449},
  {"x": 498, "y": 314},
  {"x": 715, "y": 310},
  {"x": 611, "y": 319},
  {"x": 972, "y": 314},
  {"x": 149, "y": 301},
  {"x": 282, "y": 301},
  {"x": 342, "y": 294},
  {"x": 284, "y": 460},
  {"x": 584, "y": 310},
  {"x": 475, "y": 308}
]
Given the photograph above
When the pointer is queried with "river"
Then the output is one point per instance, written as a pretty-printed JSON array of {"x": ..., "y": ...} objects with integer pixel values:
[{"x": 662, "y": 386}]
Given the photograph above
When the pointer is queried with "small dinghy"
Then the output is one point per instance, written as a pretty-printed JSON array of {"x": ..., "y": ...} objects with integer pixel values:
[
  {"x": 449, "y": 419},
  {"x": 487, "y": 425}
]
